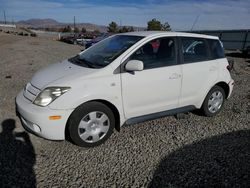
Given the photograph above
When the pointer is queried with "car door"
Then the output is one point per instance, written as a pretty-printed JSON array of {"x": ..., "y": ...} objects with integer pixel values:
[
  {"x": 157, "y": 87},
  {"x": 199, "y": 70}
]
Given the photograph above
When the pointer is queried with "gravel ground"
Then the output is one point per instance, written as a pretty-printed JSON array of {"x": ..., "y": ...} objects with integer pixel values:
[{"x": 191, "y": 151}]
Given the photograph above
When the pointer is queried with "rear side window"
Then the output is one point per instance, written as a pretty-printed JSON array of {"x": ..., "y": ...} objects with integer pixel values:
[
  {"x": 216, "y": 49},
  {"x": 194, "y": 50}
]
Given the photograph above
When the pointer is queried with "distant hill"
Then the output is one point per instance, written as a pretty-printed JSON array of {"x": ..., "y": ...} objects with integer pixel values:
[
  {"x": 51, "y": 23},
  {"x": 38, "y": 23}
]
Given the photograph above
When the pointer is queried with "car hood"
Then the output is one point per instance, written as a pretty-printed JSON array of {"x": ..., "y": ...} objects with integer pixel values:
[{"x": 58, "y": 71}]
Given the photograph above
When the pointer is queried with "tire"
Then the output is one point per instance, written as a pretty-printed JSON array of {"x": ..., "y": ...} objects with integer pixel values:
[
  {"x": 213, "y": 102},
  {"x": 91, "y": 124}
]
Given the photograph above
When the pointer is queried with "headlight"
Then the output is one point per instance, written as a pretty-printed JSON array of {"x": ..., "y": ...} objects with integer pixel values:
[{"x": 49, "y": 94}]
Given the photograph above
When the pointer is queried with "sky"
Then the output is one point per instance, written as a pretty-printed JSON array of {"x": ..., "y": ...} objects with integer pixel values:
[{"x": 210, "y": 14}]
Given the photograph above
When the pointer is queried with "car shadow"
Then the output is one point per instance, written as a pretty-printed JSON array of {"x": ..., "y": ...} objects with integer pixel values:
[
  {"x": 237, "y": 54},
  {"x": 17, "y": 157},
  {"x": 248, "y": 61},
  {"x": 219, "y": 161}
]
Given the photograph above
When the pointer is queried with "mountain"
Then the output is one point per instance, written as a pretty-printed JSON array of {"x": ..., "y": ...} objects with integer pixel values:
[
  {"x": 38, "y": 22},
  {"x": 51, "y": 23}
]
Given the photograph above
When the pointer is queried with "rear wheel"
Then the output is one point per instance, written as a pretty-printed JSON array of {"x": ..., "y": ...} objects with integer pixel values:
[
  {"x": 213, "y": 102},
  {"x": 91, "y": 124}
]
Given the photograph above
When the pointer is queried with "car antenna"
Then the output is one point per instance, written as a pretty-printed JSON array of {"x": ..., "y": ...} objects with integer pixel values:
[{"x": 195, "y": 21}]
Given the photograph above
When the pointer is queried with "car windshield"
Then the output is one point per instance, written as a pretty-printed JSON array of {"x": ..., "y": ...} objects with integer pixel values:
[{"x": 106, "y": 51}]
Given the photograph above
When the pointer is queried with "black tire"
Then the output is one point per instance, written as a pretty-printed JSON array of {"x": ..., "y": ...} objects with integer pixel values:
[
  {"x": 205, "y": 106},
  {"x": 79, "y": 113}
]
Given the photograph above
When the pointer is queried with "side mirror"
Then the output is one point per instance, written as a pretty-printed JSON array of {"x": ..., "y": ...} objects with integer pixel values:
[{"x": 134, "y": 65}]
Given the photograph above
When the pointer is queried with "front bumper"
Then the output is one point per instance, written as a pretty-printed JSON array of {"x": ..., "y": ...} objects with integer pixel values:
[{"x": 36, "y": 120}]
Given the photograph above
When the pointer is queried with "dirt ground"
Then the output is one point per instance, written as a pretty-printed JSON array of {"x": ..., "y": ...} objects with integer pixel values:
[
  {"x": 167, "y": 152},
  {"x": 21, "y": 57}
]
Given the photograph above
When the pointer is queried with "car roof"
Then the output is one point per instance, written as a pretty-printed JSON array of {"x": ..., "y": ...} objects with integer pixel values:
[{"x": 168, "y": 33}]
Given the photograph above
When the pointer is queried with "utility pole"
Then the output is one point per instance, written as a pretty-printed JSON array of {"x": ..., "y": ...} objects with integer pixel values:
[
  {"x": 4, "y": 17},
  {"x": 74, "y": 24}
]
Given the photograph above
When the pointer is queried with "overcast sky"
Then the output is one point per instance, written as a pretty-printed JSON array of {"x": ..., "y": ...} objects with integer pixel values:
[{"x": 212, "y": 14}]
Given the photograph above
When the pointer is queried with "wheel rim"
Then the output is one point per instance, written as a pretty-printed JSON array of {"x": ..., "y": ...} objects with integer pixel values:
[
  {"x": 215, "y": 101},
  {"x": 93, "y": 127}
]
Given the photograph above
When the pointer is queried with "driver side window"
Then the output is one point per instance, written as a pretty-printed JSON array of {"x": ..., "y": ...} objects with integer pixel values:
[{"x": 157, "y": 53}]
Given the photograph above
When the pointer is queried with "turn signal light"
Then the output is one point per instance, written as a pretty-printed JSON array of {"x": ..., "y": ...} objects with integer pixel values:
[{"x": 54, "y": 117}]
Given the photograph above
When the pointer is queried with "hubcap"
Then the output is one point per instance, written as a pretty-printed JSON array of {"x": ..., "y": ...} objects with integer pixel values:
[
  {"x": 215, "y": 101},
  {"x": 93, "y": 127}
]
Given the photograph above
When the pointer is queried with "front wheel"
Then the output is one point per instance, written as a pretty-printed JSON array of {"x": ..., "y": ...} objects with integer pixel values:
[
  {"x": 91, "y": 124},
  {"x": 213, "y": 102}
]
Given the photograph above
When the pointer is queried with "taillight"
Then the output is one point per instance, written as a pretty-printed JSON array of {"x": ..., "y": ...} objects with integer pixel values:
[
  {"x": 229, "y": 68},
  {"x": 230, "y": 65}
]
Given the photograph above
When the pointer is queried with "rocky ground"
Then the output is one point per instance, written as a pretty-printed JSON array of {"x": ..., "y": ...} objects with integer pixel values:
[{"x": 167, "y": 152}]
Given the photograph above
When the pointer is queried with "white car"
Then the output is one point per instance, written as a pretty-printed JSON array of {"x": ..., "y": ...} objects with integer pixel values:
[{"x": 125, "y": 79}]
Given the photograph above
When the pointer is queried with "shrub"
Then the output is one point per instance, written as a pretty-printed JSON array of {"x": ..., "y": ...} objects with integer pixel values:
[{"x": 33, "y": 35}]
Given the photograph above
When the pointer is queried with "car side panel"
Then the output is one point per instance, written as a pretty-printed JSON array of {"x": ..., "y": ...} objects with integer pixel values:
[
  {"x": 197, "y": 78},
  {"x": 106, "y": 88}
]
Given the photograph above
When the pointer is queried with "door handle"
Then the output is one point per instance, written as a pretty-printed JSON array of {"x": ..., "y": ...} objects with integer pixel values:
[{"x": 174, "y": 76}]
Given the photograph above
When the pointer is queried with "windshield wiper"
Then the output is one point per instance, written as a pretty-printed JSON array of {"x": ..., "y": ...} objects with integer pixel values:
[
  {"x": 88, "y": 63},
  {"x": 79, "y": 60}
]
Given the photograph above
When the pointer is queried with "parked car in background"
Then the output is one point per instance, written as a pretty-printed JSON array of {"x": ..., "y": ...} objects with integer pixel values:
[
  {"x": 78, "y": 38},
  {"x": 82, "y": 41},
  {"x": 69, "y": 38},
  {"x": 125, "y": 79},
  {"x": 96, "y": 40}
]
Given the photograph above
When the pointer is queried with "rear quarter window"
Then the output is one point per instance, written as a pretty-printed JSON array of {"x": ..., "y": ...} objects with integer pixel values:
[
  {"x": 216, "y": 49},
  {"x": 194, "y": 50}
]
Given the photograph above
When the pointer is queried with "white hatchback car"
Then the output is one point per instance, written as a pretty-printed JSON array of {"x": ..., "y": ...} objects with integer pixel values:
[{"x": 125, "y": 79}]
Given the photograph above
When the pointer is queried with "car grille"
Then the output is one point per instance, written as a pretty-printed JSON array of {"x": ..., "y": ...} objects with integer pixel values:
[{"x": 30, "y": 92}]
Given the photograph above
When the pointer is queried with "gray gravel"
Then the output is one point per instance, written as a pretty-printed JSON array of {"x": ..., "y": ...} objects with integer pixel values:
[{"x": 169, "y": 152}]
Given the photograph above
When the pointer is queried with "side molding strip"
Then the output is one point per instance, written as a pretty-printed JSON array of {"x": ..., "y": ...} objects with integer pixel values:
[{"x": 159, "y": 115}]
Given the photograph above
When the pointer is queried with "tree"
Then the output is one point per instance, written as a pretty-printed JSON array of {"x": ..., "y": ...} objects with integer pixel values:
[
  {"x": 124, "y": 29},
  {"x": 113, "y": 27},
  {"x": 97, "y": 31},
  {"x": 154, "y": 25},
  {"x": 76, "y": 30},
  {"x": 131, "y": 29},
  {"x": 66, "y": 29},
  {"x": 165, "y": 27},
  {"x": 84, "y": 30}
]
